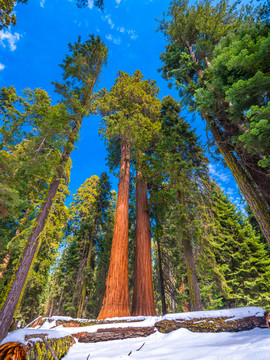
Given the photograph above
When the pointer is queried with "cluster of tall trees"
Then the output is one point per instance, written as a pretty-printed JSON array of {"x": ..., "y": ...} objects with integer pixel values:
[{"x": 170, "y": 239}]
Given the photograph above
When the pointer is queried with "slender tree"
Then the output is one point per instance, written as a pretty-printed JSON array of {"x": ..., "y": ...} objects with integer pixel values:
[{"x": 81, "y": 72}]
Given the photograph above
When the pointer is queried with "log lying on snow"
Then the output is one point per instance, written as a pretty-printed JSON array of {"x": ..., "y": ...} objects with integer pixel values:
[
  {"x": 37, "y": 346},
  {"x": 69, "y": 322},
  {"x": 114, "y": 334},
  {"x": 217, "y": 324}
]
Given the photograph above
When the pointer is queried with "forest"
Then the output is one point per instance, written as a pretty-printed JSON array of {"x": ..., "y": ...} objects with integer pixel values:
[{"x": 169, "y": 238}]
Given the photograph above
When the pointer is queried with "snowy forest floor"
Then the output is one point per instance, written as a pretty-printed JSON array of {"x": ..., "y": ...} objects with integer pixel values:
[{"x": 180, "y": 344}]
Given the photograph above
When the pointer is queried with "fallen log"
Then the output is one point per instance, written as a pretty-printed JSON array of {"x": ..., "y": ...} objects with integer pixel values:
[
  {"x": 218, "y": 324},
  {"x": 41, "y": 348},
  {"x": 114, "y": 334},
  {"x": 78, "y": 322}
]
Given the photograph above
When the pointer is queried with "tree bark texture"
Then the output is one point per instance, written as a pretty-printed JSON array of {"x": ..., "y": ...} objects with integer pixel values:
[
  {"x": 219, "y": 324},
  {"x": 256, "y": 203},
  {"x": 143, "y": 294},
  {"x": 193, "y": 286},
  {"x": 116, "y": 297},
  {"x": 161, "y": 279},
  {"x": 49, "y": 349},
  {"x": 15, "y": 291},
  {"x": 253, "y": 198},
  {"x": 88, "y": 262},
  {"x": 115, "y": 334}
]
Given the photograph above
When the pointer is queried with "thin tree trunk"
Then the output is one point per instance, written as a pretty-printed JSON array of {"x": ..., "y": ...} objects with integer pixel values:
[
  {"x": 51, "y": 308},
  {"x": 193, "y": 286},
  {"x": 172, "y": 290},
  {"x": 161, "y": 279},
  {"x": 15, "y": 292},
  {"x": 116, "y": 298},
  {"x": 88, "y": 262},
  {"x": 143, "y": 294},
  {"x": 194, "y": 291}
]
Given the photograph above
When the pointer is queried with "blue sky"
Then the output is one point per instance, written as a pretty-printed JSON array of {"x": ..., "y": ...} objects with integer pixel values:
[{"x": 31, "y": 51}]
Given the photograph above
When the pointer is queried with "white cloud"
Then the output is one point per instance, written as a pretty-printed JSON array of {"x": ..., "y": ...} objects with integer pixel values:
[
  {"x": 218, "y": 174},
  {"x": 91, "y": 4},
  {"x": 7, "y": 36},
  {"x": 42, "y": 2},
  {"x": 2, "y": 66},
  {"x": 115, "y": 40},
  {"x": 118, "y": 1},
  {"x": 131, "y": 33}
]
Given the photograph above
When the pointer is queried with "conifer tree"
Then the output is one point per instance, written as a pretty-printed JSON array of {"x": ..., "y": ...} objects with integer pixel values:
[
  {"x": 89, "y": 231},
  {"x": 192, "y": 33},
  {"x": 81, "y": 72},
  {"x": 241, "y": 256},
  {"x": 130, "y": 112},
  {"x": 181, "y": 161}
]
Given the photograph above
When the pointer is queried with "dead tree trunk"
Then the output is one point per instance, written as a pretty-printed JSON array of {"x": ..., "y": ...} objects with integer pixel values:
[
  {"x": 116, "y": 298},
  {"x": 143, "y": 294}
]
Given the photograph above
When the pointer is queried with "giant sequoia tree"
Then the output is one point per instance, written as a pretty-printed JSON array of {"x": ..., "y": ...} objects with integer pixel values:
[
  {"x": 192, "y": 33},
  {"x": 81, "y": 71},
  {"x": 130, "y": 112}
]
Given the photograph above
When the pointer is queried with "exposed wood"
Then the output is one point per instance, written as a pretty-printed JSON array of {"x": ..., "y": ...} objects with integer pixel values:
[
  {"x": 116, "y": 298},
  {"x": 220, "y": 324},
  {"x": 143, "y": 295},
  {"x": 12, "y": 350},
  {"x": 115, "y": 334},
  {"x": 49, "y": 349}
]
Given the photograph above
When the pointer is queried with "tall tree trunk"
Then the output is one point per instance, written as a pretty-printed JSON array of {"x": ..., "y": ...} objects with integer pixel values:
[
  {"x": 256, "y": 203},
  {"x": 116, "y": 298},
  {"x": 253, "y": 198},
  {"x": 193, "y": 286},
  {"x": 143, "y": 294},
  {"x": 88, "y": 263},
  {"x": 15, "y": 292},
  {"x": 248, "y": 161},
  {"x": 161, "y": 279}
]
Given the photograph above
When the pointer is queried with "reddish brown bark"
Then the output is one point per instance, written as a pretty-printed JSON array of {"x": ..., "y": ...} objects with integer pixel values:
[
  {"x": 143, "y": 295},
  {"x": 5, "y": 264},
  {"x": 116, "y": 298}
]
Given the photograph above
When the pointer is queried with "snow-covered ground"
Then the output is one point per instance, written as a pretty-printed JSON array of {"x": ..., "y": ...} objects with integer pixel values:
[{"x": 180, "y": 344}]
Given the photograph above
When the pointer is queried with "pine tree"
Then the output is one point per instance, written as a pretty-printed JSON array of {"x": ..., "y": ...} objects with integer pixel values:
[
  {"x": 81, "y": 72},
  {"x": 192, "y": 33}
]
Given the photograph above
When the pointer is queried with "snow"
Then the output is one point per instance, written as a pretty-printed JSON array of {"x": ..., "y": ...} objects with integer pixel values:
[
  {"x": 180, "y": 344},
  {"x": 18, "y": 335}
]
